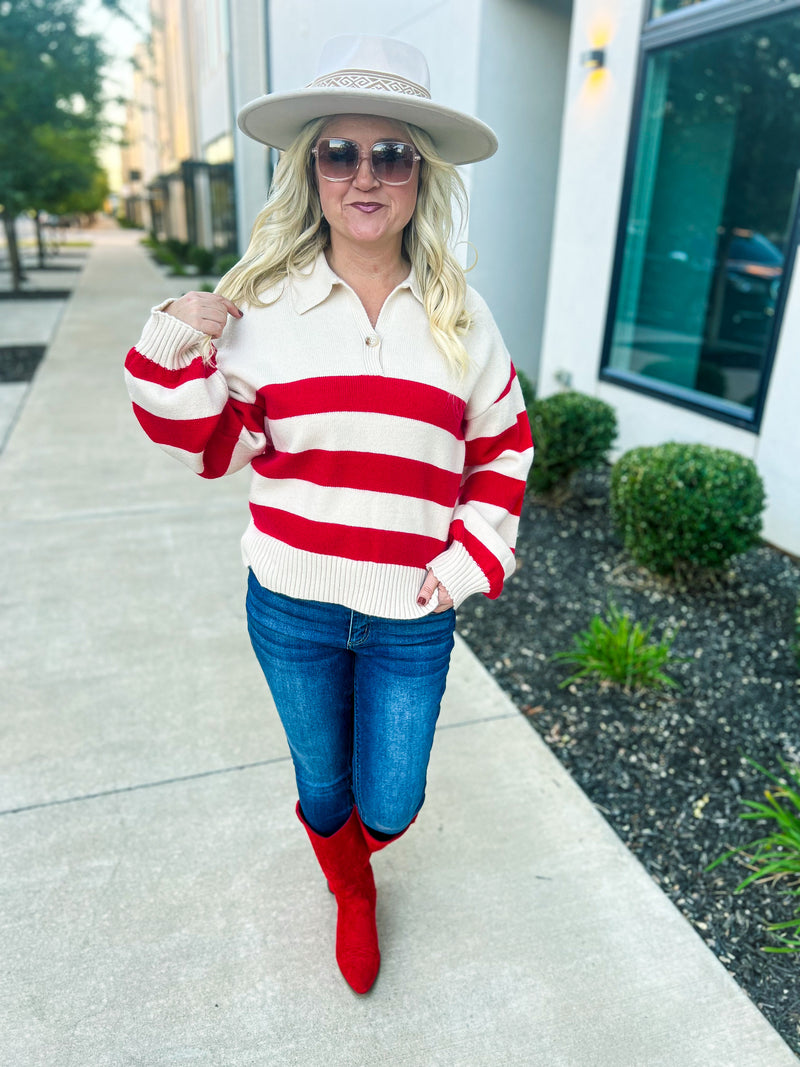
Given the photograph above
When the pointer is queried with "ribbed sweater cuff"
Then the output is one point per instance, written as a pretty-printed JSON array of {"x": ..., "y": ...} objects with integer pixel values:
[
  {"x": 169, "y": 341},
  {"x": 459, "y": 573}
]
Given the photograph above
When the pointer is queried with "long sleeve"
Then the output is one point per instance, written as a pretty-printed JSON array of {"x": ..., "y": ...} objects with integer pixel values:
[
  {"x": 499, "y": 452},
  {"x": 186, "y": 405}
]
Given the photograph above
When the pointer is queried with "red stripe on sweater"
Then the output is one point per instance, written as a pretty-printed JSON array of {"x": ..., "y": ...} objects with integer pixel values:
[
  {"x": 363, "y": 470},
  {"x": 189, "y": 434},
  {"x": 147, "y": 371},
  {"x": 493, "y": 488},
  {"x": 373, "y": 393},
  {"x": 516, "y": 438},
  {"x": 509, "y": 383},
  {"x": 487, "y": 562},
  {"x": 348, "y": 542},
  {"x": 235, "y": 416}
]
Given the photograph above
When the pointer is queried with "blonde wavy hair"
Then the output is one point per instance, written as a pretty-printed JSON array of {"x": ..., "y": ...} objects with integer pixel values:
[{"x": 290, "y": 231}]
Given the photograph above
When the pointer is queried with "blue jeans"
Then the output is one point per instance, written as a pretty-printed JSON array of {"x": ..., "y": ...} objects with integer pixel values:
[{"x": 358, "y": 697}]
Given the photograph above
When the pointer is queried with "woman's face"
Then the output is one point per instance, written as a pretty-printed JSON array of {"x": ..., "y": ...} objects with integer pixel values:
[{"x": 363, "y": 213}]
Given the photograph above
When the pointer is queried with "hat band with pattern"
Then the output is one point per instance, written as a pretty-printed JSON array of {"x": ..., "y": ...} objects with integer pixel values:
[{"x": 369, "y": 80}]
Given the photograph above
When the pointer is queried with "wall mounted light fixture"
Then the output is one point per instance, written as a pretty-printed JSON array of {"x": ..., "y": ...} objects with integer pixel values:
[{"x": 594, "y": 59}]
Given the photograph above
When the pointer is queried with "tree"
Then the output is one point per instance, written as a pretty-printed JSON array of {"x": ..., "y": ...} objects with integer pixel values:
[
  {"x": 50, "y": 109},
  {"x": 71, "y": 183}
]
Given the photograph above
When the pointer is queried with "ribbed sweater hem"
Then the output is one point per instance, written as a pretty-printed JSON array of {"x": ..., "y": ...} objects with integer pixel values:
[{"x": 383, "y": 590}]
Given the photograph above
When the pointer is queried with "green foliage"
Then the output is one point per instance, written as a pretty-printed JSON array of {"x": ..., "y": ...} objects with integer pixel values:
[
  {"x": 50, "y": 90},
  {"x": 178, "y": 248},
  {"x": 680, "y": 507},
  {"x": 177, "y": 255},
  {"x": 165, "y": 256},
  {"x": 618, "y": 650},
  {"x": 796, "y": 642},
  {"x": 201, "y": 258},
  {"x": 50, "y": 107},
  {"x": 528, "y": 388},
  {"x": 227, "y": 262},
  {"x": 775, "y": 857},
  {"x": 571, "y": 431}
]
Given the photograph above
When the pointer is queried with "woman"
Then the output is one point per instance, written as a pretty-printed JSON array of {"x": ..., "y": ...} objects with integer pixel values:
[{"x": 345, "y": 359}]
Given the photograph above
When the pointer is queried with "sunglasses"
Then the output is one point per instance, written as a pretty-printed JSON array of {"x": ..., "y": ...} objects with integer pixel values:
[{"x": 338, "y": 160}]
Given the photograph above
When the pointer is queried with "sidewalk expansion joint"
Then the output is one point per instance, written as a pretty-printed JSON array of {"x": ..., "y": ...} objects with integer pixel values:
[
  {"x": 143, "y": 785},
  {"x": 472, "y": 722},
  {"x": 119, "y": 790}
]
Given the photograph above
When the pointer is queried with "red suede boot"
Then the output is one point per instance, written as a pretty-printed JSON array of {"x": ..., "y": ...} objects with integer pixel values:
[{"x": 344, "y": 859}]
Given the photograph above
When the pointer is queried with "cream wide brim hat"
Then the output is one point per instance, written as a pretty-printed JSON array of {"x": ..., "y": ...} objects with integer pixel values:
[{"x": 363, "y": 75}]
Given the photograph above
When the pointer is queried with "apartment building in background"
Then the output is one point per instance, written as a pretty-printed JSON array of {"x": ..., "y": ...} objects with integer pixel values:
[
  {"x": 634, "y": 235},
  {"x": 178, "y": 166}
]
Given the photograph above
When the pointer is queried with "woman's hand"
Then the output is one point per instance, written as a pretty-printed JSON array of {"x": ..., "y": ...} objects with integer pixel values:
[
  {"x": 206, "y": 312},
  {"x": 430, "y": 585}
]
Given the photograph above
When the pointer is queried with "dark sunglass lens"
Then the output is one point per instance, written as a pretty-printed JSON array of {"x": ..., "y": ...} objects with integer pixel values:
[
  {"x": 392, "y": 161},
  {"x": 337, "y": 157}
]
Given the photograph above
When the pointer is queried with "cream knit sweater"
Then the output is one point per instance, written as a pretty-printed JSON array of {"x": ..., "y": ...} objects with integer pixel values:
[{"x": 371, "y": 460}]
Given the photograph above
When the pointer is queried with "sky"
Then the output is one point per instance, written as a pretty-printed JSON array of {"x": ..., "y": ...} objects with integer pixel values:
[{"x": 119, "y": 38}]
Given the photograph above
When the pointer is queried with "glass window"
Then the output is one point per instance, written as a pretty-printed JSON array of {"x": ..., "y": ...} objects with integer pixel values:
[
  {"x": 663, "y": 7},
  {"x": 713, "y": 197}
]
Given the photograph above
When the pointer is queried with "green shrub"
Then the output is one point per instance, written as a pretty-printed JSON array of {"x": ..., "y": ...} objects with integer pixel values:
[
  {"x": 202, "y": 258},
  {"x": 796, "y": 642},
  {"x": 226, "y": 262},
  {"x": 179, "y": 249},
  {"x": 680, "y": 507},
  {"x": 571, "y": 431},
  {"x": 165, "y": 256},
  {"x": 775, "y": 857},
  {"x": 616, "y": 649},
  {"x": 528, "y": 388}
]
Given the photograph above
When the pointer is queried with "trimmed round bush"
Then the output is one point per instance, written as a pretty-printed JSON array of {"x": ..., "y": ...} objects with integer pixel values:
[
  {"x": 570, "y": 431},
  {"x": 227, "y": 262},
  {"x": 527, "y": 387},
  {"x": 683, "y": 506},
  {"x": 201, "y": 258}
]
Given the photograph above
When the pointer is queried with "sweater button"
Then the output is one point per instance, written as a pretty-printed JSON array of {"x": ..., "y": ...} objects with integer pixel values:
[{"x": 372, "y": 340}]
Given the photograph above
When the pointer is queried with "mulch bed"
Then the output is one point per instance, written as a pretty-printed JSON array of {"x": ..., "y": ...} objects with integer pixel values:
[{"x": 667, "y": 770}]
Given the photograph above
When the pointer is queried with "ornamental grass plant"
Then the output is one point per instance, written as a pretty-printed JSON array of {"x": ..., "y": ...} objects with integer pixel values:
[
  {"x": 619, "y": 651},
  {"x": 775, "y": 857}
]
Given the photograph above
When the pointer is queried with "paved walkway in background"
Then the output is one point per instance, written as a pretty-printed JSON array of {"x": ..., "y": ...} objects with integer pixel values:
[
  {"x": 160, "y": 903},
  {"x": 33, "y": 321}
]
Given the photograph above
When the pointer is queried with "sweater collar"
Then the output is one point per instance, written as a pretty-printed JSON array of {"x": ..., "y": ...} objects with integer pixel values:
[{"x": 310, "y": 287}]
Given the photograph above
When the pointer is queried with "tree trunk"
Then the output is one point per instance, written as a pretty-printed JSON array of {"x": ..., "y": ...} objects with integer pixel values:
[
  {"x": 17, "y": 275},
  {"x": 40, "y": 239}
]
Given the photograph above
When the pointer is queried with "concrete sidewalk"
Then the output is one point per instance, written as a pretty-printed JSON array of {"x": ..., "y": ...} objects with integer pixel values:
[{"x": 161, "y": 904}]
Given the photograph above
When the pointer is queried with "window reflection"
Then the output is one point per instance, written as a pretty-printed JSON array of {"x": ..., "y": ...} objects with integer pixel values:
[
  {"x": 713, "y": 197},
  {"x": 663, "y": 7}
]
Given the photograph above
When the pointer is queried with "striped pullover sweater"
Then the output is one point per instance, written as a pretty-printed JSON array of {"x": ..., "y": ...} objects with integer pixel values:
[{"x": 371, "y": 461}]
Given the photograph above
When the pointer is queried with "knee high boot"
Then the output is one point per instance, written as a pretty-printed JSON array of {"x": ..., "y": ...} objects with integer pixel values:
[{"x": 344, "y": 859}]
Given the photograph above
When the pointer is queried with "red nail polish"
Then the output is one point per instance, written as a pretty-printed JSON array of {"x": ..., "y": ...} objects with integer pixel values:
[{"x": 421, "y": 601}]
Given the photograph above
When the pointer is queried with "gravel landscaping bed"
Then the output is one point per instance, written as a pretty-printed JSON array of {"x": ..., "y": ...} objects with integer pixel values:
[{"x": 668, "y": 771}]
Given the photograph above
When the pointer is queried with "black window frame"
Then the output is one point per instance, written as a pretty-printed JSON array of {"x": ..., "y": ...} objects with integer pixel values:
[{"x": 689, "y": 24}]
